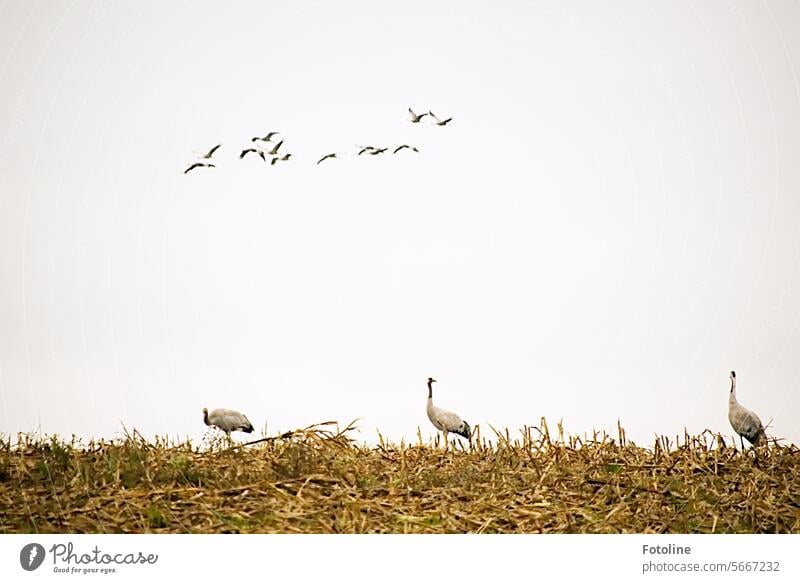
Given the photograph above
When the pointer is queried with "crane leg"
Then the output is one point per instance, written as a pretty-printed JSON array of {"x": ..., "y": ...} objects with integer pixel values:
[{"x": 741, "y": 439}]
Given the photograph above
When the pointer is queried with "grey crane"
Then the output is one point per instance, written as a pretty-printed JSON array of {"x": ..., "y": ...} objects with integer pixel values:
[
  {"x": 228, "y": 420},
  {"x": 743, "y": 420},
  {"x": 443, "y": 420}
]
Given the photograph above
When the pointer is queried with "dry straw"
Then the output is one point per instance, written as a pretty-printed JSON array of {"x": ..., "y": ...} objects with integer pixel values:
[{"x": 319, "y": 480}]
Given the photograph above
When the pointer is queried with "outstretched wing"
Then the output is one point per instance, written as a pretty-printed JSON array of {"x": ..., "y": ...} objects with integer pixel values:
[{"x": 198, "y": 165}]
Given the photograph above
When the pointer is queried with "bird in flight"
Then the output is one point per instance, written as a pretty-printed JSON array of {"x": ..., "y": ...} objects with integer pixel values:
[
  {"x": 366, "y": 149},
  {"x": 267, "y": 138},
  {"x": 404, "y": 146},
  {"x": 440, "y": 122},
  {"x": 283, "y": 158},
  {"x": 198, "y": 165},
  {"x": 210, "y": 153},
  {"x": 376, "y": 151},
  {"x": 274, "y": 150},
  {"x": 327, "y": 157},
  {"x": 416, "y": 118},
  {"x": 256, "y": 150}
]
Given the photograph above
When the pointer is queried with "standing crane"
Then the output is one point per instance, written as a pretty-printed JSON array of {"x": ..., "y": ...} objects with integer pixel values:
[
  {"x": 743, "y": 420},
  {"x": 445, "y": 421},
  {"x": 228, "y": 420}
]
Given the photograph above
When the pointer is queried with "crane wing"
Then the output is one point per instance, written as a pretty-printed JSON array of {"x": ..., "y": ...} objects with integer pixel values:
[{"x": 746, "y": 423}]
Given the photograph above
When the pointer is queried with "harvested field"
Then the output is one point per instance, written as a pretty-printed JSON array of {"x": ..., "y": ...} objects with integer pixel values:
[{"x": 318, "y": 480}]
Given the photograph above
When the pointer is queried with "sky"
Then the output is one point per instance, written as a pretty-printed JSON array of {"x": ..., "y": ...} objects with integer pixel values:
[{"x": 607, "y": 227}]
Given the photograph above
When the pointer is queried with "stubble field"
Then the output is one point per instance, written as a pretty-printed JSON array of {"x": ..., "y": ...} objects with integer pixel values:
[{"x": 319, "y": 480}]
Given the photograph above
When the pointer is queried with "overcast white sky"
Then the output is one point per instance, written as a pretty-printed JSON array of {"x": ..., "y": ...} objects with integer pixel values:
[{"x": 608, "y": 226}]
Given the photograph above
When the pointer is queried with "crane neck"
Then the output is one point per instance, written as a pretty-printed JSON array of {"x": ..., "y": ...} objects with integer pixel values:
[
  {"x": 732, "y": 397},
  {"x": 205, "y": 417},
  {"x": 430, "y": 390}
]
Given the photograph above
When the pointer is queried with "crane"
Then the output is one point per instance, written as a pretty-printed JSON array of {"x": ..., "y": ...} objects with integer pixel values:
[
  {"x": 743, "y": 420},
  {"x": 227, "y": 420},
  {"x": 443, "y": 420}
]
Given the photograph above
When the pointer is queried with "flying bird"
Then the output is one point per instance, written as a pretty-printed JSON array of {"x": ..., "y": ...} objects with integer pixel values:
[
  {"x": 398, "y": 148},
  {"x": 256, "y": 150},
  {"x": 445, "y": 421},
  {"x": 210, "y": 153},
  {"x": 267, "y": 138},
  {"x": 198, "y": 165},
  {"x": 416, "y": 118},
  {"x": 228, "y": 420},
  {"x": 366, "y": 149},
  {"x": 274, "y": 150},
  {"x": 440, "y": 122},
  {"x": 744, "y": 421},
  {"x": 283, "y": 158},
  {"x": 327, "y": 157},
  {"x": 376, "y": 151}
]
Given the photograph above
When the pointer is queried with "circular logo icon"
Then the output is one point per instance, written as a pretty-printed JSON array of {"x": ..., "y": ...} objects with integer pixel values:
[{"x": 31, "y": 556}]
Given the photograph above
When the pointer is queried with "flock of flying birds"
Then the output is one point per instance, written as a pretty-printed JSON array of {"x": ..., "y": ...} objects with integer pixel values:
[
  {"x": 744, "y": 421},
  {"x": 267, "y": 146}
]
